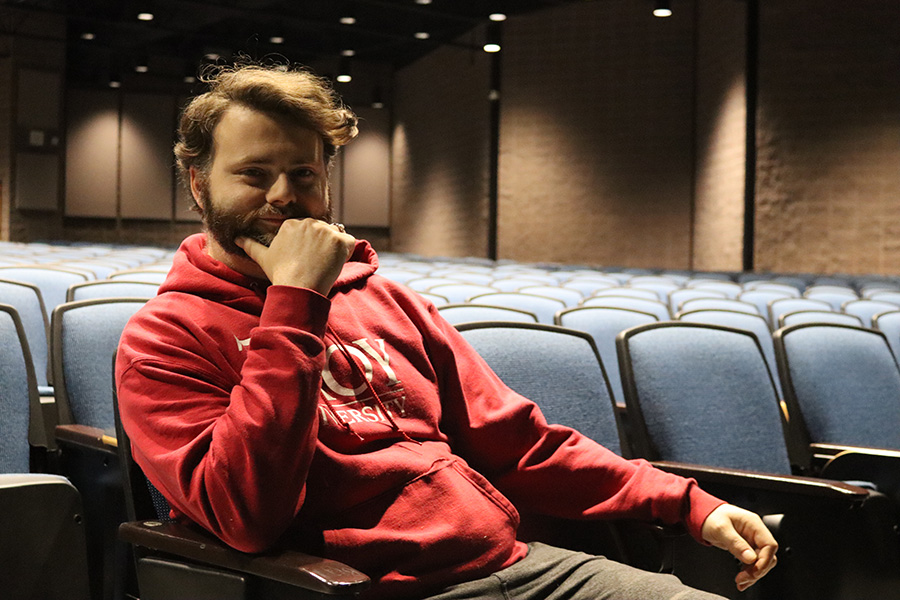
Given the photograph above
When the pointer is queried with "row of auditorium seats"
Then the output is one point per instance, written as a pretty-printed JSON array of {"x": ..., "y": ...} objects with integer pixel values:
[{"x": 93, "y": 326}]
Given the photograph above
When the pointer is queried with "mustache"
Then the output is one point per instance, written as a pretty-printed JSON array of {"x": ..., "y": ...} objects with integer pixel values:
[{"x": 289, "y": 211}]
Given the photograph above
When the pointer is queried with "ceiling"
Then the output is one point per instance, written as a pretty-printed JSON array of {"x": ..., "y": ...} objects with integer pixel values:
[{"x": 182, "y": 32}]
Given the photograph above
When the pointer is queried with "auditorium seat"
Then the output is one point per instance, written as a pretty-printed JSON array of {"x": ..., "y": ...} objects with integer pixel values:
[
  {"x": 603, "y": 324},
  {"x": 701, "y": 399},
  {"x": 42, "y": 545},
  {"x": 469, "y": 312}
]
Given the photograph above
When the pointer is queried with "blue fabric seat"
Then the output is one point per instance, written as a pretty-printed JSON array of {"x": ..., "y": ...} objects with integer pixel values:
[
  {"x": 557, "y": 368},
  {"x": 542, "y": 307},
  {"x": 469, "y": 312},
  {"x": 603, "y": 324}
]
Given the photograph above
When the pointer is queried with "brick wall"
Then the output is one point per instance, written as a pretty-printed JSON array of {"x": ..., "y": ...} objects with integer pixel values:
[
  {"x": 721, "y": 136},
  {"x": 828, "y": 173},
  {"x": 596, "y": 135},
  {"x": 440, "y": 155}
]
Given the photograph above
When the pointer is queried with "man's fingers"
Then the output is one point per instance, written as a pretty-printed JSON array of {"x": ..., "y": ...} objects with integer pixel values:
[{"x": 251, "y": 247}]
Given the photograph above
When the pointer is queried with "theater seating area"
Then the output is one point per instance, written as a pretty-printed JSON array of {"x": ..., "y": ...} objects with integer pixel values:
[{"x": 783, "y": 375}]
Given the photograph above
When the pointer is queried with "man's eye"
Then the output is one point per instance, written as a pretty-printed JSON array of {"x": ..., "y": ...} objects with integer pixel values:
[
  {"x": 252, "y": 173},
  {"x": 303, "y": 173}
]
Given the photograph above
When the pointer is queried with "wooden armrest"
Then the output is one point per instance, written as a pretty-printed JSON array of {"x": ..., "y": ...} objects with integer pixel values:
[
  {"x": 290, "y": 567},
  {"x": 787, "y": 484},
  {"x": 835, "y": 449},
  {"x": 86, "y": 437},
  {"x": 878, "y": 466}
]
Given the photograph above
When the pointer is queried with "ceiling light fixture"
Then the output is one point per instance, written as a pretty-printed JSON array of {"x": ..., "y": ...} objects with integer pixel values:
[
  {"x": 114, "y": 82},
  {"x": 276, "y": 39},
  {"x": 348, "y": 20},
  {"x": 662, "y": 9},
  {"x": 145, "y": 16},
  {"x": 497, "y": 17},
  {"x": 87, "y": 35},
  {"x": 423, "y": 1},
  {"x": 422, "y": 35},
  {"x": 344, "y": 71},
  {"x": 348, "y": 52}
]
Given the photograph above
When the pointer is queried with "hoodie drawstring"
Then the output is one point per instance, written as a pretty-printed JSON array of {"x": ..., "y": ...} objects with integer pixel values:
[{"x": 359, "y": 371}]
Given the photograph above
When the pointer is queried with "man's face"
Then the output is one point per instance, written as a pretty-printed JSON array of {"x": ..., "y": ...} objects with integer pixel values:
[{"x": 265, "y": 170}]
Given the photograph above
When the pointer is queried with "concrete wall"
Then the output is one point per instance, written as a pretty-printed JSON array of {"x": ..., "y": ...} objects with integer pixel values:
[
  {"x": 829, "y": 137},
  {"x": 721, "y": 116},
  {"x": 596, "y": 136},
  {"x": 440, "y": 155}
]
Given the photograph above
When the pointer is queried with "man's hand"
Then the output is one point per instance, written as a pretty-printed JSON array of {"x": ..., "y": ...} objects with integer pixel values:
[
  {"x": 306, "y": 253},
  {"x": 743, "y": 534}
]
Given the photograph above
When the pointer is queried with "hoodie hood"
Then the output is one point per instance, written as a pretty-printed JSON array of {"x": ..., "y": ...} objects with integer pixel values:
[{"x": 196, "y": 272}]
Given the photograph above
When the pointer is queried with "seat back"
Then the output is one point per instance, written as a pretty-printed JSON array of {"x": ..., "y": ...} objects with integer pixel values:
[
  {"x": 603, "y": 324},
  {"x": 755, "y": 324},
  {"x": 83, "y": 335},
  {"x": 53, "y": 282},
  {"x": 676, "y": 297},
  {"x": 460, "y": 292},
  {"x": 153, "y": 276},
  {"x": 701, "y": 394},
  {"x": 718, "y": 304},
  {"x": 28, "y": 302},
  {"x": 889, "y": 324},
  {"x": 841, "y": 382},
  {"x": 542, "y": 307},
  {"x": 867, "y": 309},
  {"x": 654, "y": 307},
  {"x": 570, "y": 297},
  {"x": 816, "y": 316},
  {"x": 456, "y": 314},
  {"x": 111, "y": 288},
  {"x": 761, "y": 296},
  {"x": 19, "y": 403},
  {"x": 557, "y": 368},
  {"x": 789, "y": 305}
]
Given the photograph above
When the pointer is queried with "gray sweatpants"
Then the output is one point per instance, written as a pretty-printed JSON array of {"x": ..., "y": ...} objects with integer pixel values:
[{"x": 550, "y": 573}]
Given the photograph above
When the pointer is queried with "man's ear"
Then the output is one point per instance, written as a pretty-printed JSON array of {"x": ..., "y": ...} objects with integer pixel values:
[{"x": 196, "y": 186}]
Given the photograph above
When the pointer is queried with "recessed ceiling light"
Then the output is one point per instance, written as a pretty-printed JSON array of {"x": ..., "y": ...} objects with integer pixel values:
[
  {"x": 662, "y": 12},
  {"x": 377, "y": 104},
  {"x": 344, "y": 78},
  {"x": 141, "y": 68},
  {"x": 422, "y": 35},
  {"x": 497, "y": 17},
  {"x": 423, "y": 1},
  {"x": 492, "y": 47},
  {"x": 87, "y": 35},
  {"x": 348, "y": 20},
  {"x": 115, "y": 83},
  {"x": 190, "y": 79},
  {"x": 212, "y": 56},
  {"x": 276, "y": 39},
  {"x": 348, "y": 52},
  {"x": 145, "y": 16}
]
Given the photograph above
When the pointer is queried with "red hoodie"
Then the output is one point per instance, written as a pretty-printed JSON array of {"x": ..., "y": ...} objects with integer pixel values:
[{"x": 244, "y": 410}]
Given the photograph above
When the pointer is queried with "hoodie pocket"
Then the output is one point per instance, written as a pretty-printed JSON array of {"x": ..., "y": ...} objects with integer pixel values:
[{"x": 447, "y": 520}]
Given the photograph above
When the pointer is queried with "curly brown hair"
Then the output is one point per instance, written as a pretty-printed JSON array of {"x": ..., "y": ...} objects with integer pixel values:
[{"x": 291, "y": 92}]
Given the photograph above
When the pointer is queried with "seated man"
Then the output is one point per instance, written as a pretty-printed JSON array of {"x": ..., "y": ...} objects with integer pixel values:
[{"x": 280, "y": 393}]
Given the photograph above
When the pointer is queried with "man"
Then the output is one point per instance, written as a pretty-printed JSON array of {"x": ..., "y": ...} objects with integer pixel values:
[{"x": 279, "y": 392}]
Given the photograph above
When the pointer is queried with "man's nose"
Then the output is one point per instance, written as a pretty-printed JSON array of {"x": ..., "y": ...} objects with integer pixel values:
[{"x": 282, "y": 191}]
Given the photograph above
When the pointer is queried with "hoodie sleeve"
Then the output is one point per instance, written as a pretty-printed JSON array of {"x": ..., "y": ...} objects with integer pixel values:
[
  {"x": 214, "y": 441},
  {"x": 550, "y": 469}
]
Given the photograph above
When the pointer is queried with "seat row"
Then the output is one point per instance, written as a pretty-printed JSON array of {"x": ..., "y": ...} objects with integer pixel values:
[
  {"x": 89, "y": 332},
  {"x": 700, "y": 401}
]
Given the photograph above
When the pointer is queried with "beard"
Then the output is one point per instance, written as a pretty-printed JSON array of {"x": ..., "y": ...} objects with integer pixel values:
[{"x": 226, "y": 225}]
